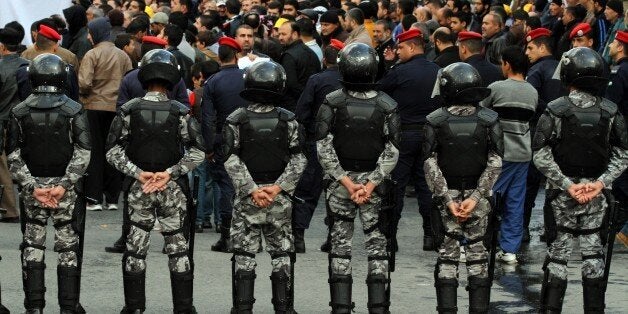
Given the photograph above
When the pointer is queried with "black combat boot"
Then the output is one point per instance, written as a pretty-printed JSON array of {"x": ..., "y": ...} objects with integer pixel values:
[
  {"x": 118, "y": 247},
  {"x": 340, "y": 290},
  {"x": 282, "y": 294},
  {"x": 182, "y": 296},
  {"x": 134, "y": 292},
  {"x": 326, "y": 246},
  {"x": 69, "y": 282},
  {"x": 594, "y": 290},
  {"x": 428, "y": 235},
  {"x": 244, "y": 292},
  {"x": 552, "y": 293},
  {"x": 378, "y": 302},
  {"x": 34, "y": 288},
  {"x": 224, "y": 243},
  {"x": 479, "y": 291},
  {"x": 446, "y": 295},
  {"x": 299, "y": 240}
]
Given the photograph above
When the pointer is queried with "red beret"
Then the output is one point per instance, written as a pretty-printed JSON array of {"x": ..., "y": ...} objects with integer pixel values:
[
  {"x": 49, "y": 33},
  {"x": 409, "y": 34},
  {"x": 337, "y": 44},
  {"x": 154, "y": 40},
  {"x": 580, "y": 30},
  {"x": 622, "y": 36},
  {"x": 228, "y": 41},
  {"x": 462, "y": 36},
  {"x": 539, "y": 32}
]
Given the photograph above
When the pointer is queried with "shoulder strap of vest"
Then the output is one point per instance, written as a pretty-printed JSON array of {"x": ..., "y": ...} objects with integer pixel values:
[
  {"x": 21, "y": 109},
  {"x": 608, "y": 106},
  {"x": 386, "y": 103},
  {"x": 181, "y": 108},
  {"x": 285, "y": 115},
  {"x": 130, "y": 105},
  {"x": 238, "y": 117},
  {"x": 437, "y": 116},
  {"x": 336, "y": 98},
  {"x": 71, "y": 107},
  {"x": 487, "y": 116},
  {"x": 560, "y": 107}
]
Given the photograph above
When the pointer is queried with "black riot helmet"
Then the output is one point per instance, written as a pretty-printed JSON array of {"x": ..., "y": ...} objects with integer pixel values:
[
  {"x": 264, "y": 82},
  {"x": 159, "y": 64},
  {"x": 460, "y": 84},
  {"x": 583, "y": 69},
  {"x": 358, "y": 65},
  {"x": 48, "y": 73}
]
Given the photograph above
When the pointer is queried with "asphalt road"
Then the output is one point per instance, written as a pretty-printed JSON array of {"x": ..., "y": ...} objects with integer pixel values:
[{"x": 516, "y": 288}]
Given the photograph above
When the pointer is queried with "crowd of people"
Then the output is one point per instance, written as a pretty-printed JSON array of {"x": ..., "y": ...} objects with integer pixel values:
[{"x": 306, "y": 71}]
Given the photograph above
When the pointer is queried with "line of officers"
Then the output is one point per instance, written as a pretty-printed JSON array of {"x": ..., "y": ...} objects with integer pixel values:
[{"x": 581, "y": 138}]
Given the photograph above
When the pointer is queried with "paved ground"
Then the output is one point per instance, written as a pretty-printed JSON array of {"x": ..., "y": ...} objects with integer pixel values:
[{"x": 516, "y": 288}]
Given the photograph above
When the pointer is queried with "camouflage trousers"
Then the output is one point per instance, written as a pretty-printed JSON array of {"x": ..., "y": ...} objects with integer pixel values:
[
  {"x": 569, "y": 214},
  {"x": 274, "y": 223},
  {"x": 167, "y": 207},
  {"x": 472, "y": 231},
  {"x": 344, "y": 211},
  {"x": 66, "y": 238}
]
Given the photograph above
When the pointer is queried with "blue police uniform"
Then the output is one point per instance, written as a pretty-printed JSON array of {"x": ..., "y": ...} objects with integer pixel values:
[
  {"x": 617, "y": 92},
  {"x": 131, "y": 88},
  {"x": 309, "y": 187},
  {"x": 489, "y": 72},
  {"x": 221, "y": 96},
  {"x": 410, "y": 84}
]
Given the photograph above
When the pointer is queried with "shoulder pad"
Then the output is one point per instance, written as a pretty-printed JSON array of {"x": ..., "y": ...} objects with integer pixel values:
[
  {"x": 608, "y": 106},
  {"x": 437, "y": 116},
  {"x": 559, "y": 106},
  {"x": 285, "y": 115},
  {"x": 71, "y": 107},
  {"x": 487, "y": 116},
  {"x": 183, "y": 109},
  {"x": 336, "y": 98},
  {"x": 21, "y": 109},
  {"x": 238, "y": 116},
  {"x": 130, "y": 105},
  {"x": 386, "y": 103}
]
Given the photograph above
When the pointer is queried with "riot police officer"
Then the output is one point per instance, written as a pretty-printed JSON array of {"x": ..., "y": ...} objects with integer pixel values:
[
  {"x": 357, "y": 132},
  {"x": 462, "y": 152},
  {"x": 48, "y": 151},
  {"x": 264, "y": 160},
  {"x": 581, "y": 146},
  {"x": 155, "y": 143}
]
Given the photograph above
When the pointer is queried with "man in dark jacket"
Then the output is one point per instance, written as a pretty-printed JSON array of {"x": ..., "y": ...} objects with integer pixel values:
[
  {"x": 174, "y": 35},
  {"x": 299, "y": 61},
  {"x": 470, "y": 48},
  {"x": 9, "y": 64},
  {"x": 447, "y": 51}
]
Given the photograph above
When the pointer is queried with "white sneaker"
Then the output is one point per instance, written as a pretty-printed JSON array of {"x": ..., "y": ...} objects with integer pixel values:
[
  {"x": 112, "y": 206},
  {"x": 94, "y": 207},
  {"x": 508, "y": 258}
]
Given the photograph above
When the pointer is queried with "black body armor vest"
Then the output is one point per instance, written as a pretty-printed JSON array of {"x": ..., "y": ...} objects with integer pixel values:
[
  {"x": 265, "y": 144},
  {"x": 46, "y": 133},
  {"x": 358, "y": 129},
  {"x": 460, "y": 136},
  {"x": 583, "y": 150},
  {"x": 154, "y": 140}
]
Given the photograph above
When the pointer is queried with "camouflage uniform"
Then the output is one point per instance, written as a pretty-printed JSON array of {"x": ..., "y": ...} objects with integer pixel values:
[
  {"x": 567, "y": 212},
  {"x": 472, "y": 229},
  {"x": 35, "y": 216},
  {"x": 344, "y": 210},
  {"x": 250, "y": 221},
  {"x": 167, "y": 206}
]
